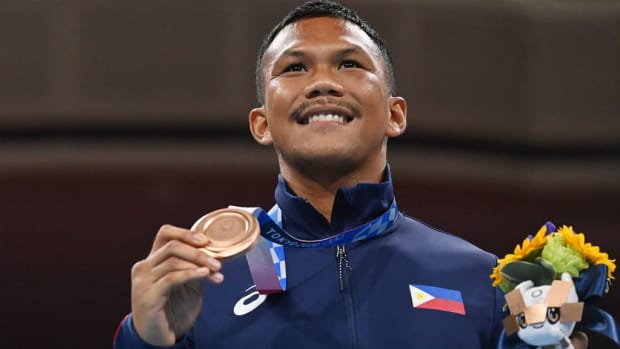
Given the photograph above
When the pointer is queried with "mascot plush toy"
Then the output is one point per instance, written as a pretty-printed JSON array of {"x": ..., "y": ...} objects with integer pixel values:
[
  {"x": 544, "y": 315},
  {"x": 553, "y": 281}
]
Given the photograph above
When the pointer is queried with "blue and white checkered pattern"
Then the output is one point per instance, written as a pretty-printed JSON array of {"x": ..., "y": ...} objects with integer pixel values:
[{"x": 277, "y": 250}]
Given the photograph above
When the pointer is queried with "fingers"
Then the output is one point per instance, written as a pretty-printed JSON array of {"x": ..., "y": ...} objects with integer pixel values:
[
  {"x": 579, "y": 340},
  {"x": 185, "y": 252},
  {"x": 168, "y": 233},
  {"x": 176, "y": 265},
  {"x": 177, "y": 257},
  {"x": 152, "y": 283},
  {"x": 198, "y": 267},
  {"x": 173, "y": 279}
]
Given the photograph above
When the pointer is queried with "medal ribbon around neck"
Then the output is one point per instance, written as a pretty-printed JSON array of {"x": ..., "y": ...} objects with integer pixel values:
[{"x": 267, "y": 261}]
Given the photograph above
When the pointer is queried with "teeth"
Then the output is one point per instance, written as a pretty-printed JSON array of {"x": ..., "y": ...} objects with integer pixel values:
[{"x": 326, "y": 117}]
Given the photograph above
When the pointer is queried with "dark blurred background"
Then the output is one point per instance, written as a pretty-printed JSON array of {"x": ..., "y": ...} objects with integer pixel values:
[{"x": 119, "y": 116}]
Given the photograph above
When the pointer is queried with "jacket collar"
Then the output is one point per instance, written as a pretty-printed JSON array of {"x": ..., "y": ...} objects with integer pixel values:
[{"x": 353, "y": 206}]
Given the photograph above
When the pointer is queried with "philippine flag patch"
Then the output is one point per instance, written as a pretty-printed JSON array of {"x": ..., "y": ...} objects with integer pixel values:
[{"x": 437, "y": 298}]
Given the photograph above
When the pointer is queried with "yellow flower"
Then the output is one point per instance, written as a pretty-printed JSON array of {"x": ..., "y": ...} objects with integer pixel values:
[
  {"x": 520, "y": 252},
  {"x": 592, "y": 253}
]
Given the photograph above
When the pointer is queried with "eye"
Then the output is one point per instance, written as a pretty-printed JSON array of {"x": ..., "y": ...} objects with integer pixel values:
[
  {"x": 295, "y": 67},
  {"x": 350, "y": 64},
  {"x": 521, "y": 320},
  {"x": 553, "y": 314}
]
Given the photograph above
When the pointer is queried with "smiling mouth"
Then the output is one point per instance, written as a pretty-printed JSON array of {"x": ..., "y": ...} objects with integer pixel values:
[
  {"x": 325, "y": 117},
  {"x": 325, "y": 110}
]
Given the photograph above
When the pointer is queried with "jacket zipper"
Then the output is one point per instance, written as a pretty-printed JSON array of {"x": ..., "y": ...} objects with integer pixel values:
[{"x": 343, "y": 265}]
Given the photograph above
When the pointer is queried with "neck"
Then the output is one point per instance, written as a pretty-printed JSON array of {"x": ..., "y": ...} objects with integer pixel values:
[{"x": 319, "y": 188}]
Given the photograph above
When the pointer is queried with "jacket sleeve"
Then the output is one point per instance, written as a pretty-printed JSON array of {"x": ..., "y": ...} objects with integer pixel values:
[
  {"x": 498, "y": 317},
  {"x": 126, "y": 337}
]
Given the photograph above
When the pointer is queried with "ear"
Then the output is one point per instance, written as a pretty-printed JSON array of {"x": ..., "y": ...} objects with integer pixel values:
[
  {"x": 398, "y": 116},
  {"x": 259, "y": 127}
]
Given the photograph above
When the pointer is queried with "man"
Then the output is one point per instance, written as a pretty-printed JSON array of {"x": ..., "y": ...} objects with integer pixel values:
[{"x": 325, "y": 85}]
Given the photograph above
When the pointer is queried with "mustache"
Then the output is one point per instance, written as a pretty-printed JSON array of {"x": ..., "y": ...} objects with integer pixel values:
[{"x": 300, "y": 109}]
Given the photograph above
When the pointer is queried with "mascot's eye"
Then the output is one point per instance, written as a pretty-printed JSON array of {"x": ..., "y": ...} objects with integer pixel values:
[
  {"x": 521, "y": 320},
  {"x": 553, "y": 314}
]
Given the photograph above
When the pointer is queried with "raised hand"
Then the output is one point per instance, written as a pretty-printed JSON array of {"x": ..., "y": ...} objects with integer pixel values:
[{"x": 166, "y": 287}]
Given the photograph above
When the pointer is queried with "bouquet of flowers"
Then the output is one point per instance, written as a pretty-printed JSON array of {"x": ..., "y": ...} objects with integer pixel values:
[
  {"x": 553, "y": 280},
  {"x": 545, "y": 256}
]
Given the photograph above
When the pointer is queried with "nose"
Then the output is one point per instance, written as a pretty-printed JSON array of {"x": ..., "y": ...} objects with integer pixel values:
[{"x": 323, "y": 84}]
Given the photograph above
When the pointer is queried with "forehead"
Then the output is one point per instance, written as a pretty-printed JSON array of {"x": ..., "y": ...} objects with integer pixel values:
[{"x": 320, "y": 33}]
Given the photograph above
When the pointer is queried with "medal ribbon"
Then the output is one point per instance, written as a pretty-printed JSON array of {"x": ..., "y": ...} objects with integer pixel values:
[{"x": 266, "y": 260}]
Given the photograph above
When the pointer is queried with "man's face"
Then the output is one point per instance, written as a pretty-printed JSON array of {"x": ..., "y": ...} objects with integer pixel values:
[{"x": 326, "y": 98}]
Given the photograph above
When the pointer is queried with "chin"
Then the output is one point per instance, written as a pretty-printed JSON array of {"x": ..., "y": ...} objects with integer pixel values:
[{"x": 334, "y": 163}]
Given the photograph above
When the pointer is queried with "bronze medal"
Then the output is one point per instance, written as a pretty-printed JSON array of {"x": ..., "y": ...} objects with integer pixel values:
[{"x": 231, "y": 232}]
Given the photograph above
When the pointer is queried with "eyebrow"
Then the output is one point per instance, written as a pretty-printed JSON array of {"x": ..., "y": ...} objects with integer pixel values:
[{"x": 293, "y": 52}]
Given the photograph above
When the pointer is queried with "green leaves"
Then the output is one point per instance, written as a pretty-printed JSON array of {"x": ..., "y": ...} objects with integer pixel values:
[{"x": 540, "y": 272}]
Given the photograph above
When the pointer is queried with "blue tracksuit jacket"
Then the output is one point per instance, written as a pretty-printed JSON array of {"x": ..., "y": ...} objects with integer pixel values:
[{"x": 368, "y": 305}]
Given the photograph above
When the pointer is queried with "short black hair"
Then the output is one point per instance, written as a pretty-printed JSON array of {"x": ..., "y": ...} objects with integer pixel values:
[{"x": 323, "y": 8}]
